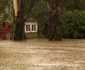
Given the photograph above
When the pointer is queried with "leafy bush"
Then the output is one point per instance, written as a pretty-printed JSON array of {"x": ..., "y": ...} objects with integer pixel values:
[{"x": 73, "y": 24}]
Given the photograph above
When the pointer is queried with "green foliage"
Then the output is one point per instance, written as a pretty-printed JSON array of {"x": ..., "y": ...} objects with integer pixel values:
[
  {"x": 39, "y": 13},
  {"x": 73, "y": 24},
  {"x": 3, "y": 4},
  {"x": 4, "y": 10},
  {"x": 73, "y": 4}
]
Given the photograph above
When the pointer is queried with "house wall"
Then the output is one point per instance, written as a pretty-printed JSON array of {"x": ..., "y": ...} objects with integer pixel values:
[
  {"x": 5, "y": 30},
  {"x": 31, "y": 34}
]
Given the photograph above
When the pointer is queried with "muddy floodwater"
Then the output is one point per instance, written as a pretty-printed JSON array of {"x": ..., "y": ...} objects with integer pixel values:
[{"x": 42, "y": 55}]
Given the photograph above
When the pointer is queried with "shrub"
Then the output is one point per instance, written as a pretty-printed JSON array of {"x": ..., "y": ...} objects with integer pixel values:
[{"x": 73, "y": 24}]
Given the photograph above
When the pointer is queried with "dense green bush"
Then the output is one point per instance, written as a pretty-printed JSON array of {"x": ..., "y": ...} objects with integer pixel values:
[{"x": 73, "y": 24}]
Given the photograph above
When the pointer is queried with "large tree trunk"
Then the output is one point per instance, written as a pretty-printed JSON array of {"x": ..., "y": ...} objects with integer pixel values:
[
  {"x": 19, "y": 24},
  {"x": 53, "y": 20},
  {"x": 19, "y": 20}
]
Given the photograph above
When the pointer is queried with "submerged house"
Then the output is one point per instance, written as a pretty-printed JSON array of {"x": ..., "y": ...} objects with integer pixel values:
[{"x": 31, "y": 29}]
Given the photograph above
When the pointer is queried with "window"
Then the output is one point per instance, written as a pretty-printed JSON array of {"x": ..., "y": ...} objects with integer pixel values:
[
  {"x": 9, "y": 26},
  {"x": 27, "y": 27},
  {"x": 3, "y": 24},
  {"x": 31, "y": 27}
]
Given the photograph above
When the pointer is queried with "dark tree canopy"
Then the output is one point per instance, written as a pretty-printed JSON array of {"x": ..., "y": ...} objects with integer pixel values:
[{"x": 73, "y": 4}]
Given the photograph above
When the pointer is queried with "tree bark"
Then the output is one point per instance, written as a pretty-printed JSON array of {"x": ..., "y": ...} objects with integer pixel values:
[
  {"x": 53, "y": 20},
  {"x": 19, "y": 21},
  {"x": 19, "y": 24}
]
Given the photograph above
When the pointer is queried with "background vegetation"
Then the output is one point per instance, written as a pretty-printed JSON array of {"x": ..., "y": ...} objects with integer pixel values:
[
  {"x": 72, "y": 16},
  {"x": 73, "y": 24}
]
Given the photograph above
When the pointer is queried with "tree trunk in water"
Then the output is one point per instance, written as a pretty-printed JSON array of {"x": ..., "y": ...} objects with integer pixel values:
[
  {"x": 19, "y": 24},
  {"x": 53, "y": 20}
]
